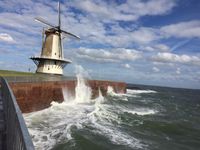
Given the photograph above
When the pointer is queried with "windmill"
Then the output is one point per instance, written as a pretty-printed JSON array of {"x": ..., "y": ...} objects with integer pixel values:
[{"x": 51, "y": 59}]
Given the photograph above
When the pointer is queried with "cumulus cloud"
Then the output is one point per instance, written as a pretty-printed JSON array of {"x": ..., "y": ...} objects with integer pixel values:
[
  {"x": 123, "y": 37},
  {"x": 6, "y": 38},
  {"x": 95, "y": 15},
  {"x": 113, "y": 55},
  {"x": 98, "y": 23},
  {"x": 187, "y": 29},
  {"x": 147, "y": 35},
  {"x": 174, "y": 58},
  {"x": 129, "y": 11},
  {"x": 155, "y": 69}
]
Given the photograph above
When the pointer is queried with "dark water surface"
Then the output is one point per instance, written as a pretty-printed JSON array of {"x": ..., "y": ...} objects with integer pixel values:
[{"x": 152, "y": 118}]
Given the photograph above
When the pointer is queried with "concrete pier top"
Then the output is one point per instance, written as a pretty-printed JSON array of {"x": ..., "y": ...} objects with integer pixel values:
[{"x": 34, "y": 96}]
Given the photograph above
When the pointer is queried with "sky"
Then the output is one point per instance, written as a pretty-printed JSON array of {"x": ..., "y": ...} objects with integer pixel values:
[{"x": 153, "y": 42}]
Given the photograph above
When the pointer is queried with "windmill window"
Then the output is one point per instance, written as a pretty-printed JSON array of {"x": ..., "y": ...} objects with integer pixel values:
[
  {"x": 55, "y": 53},
  {"x": 55, "y": 62},
  {"x": 48, "y": 68}
]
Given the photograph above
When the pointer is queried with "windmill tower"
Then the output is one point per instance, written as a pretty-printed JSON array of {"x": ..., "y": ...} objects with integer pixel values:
[{"x": 51, "y": 60}]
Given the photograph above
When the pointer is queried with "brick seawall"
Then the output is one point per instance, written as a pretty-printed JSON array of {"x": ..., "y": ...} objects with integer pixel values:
[{"x": 39, "y": 95}]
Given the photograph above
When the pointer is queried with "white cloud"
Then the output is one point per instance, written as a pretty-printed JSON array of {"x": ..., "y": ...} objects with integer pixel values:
[
  {"x": 144, "y": 35},
  {"x": 151, "y": 7},
  {"x": 127, "y": 66},
  {"x": 129, "y": 11},
  {"x": 157, "y": 47},
  {"x": 93, "y": 23},
  {"x": 147, "y": 48},
  {"x": 94, "y": 8},
  {"x": 155, "y": 69},
  {"x": 178, "y": 71},
  {"x": 174, "y": 58},
  {"x": 124, "y": 37},
  {"x": 187, "y": 29},
  {"x": 6, "y": 37},
  {"x": 147, "y": 35},
  {"x": 162, "y": 48},
  {"x": 114, "y": 55}
]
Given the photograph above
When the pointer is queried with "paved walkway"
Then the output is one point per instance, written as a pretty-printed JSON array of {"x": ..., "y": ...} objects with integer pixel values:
[{"x": 1, "y": 121}]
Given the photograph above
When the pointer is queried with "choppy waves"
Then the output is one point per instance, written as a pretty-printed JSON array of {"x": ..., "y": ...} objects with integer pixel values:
[
  {"x": 53, "y": 125},
  {"x": 57, "y": 123}
]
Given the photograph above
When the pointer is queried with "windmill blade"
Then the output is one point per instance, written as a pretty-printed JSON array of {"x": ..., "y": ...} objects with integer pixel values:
[
  {"x": 41, "y": 20},
  {"x": 68, "y": 33},
  {"x": 59, "y": 21},
  {"x": 43, "y": 32}
]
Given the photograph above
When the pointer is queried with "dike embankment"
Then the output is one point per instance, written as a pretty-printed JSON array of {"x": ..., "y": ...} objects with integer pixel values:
[{"x": 34, "y": 96}]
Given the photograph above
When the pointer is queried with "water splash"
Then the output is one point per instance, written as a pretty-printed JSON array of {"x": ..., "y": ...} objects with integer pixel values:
[
  {"x": 67, "y": 96},
  {"x": 55, "y": 124},
  {"x": 110, "y": 90},
  {"x": 83, "y": 92}
]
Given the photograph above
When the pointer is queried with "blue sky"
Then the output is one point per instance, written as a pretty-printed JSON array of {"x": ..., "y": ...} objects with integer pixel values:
[{"x": 154, "y": 42}]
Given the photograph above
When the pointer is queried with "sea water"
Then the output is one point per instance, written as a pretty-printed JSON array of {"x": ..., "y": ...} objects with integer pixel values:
[{"x": 152, "y": 118}]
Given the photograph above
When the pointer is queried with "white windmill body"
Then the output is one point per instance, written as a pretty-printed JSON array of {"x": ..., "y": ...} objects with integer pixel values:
[{"x": 51, "y": 60}]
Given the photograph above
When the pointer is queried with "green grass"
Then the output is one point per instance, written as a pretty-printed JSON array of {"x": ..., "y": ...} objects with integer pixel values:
[{"x": 15, "y": 73}]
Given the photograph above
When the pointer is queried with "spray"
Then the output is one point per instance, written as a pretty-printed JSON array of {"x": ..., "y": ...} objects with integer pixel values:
[{"x": 83, "y": 92}]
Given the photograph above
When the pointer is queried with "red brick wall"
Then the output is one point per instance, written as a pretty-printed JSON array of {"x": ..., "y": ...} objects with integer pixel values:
[{"x": 36, "y": 96}]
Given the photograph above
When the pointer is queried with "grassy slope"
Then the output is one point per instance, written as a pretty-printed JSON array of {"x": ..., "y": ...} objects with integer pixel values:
[{"x": 15, "y": 73}]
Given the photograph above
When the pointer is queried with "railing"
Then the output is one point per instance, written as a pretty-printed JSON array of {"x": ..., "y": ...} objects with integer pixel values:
[
  {"x": 17, "y": 136},
  {"x": 38, "y": 78}
]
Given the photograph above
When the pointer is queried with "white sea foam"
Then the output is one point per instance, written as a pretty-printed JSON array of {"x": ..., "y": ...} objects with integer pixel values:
[
  {"x": 111, "y": 92},
  {"x": 116, "y": 136},
  {"x": 54, "y": 124},
  {"x": 137, "y": 111},
  {"x": 142, "y": 111},
  {"x": 102, "y": 120},
  {"x": 130, "y": 91}
]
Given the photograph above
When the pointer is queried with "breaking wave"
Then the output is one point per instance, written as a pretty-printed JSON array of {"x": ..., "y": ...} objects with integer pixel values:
[
  {"x": 55, "y": 124},
  {"x": 142, "y": 111},
  {"x": 130, "y": 91}
]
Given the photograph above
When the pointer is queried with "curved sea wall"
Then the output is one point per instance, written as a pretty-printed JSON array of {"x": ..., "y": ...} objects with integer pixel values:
[{"x": 34, "y": 96}]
